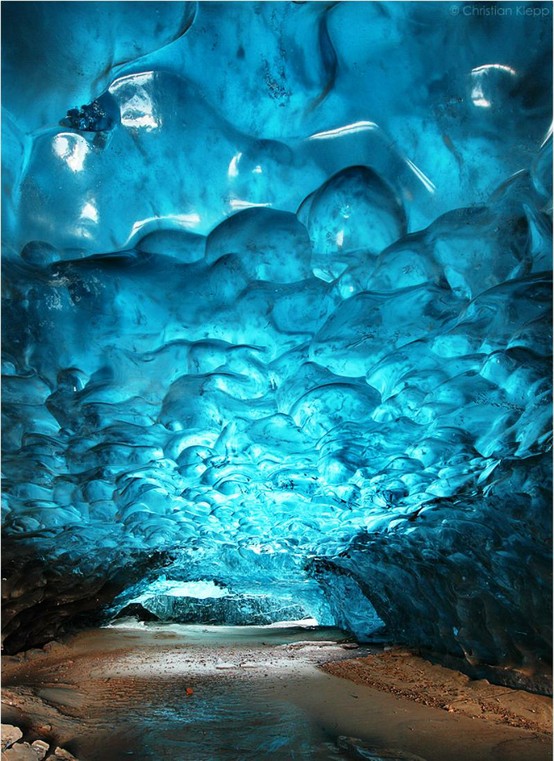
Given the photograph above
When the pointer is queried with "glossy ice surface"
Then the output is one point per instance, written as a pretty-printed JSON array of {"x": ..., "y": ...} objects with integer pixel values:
[{"x": 277, "y": 312}]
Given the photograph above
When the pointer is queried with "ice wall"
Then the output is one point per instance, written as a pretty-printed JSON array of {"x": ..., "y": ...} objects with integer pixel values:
[{"x": 277, "y": 314}]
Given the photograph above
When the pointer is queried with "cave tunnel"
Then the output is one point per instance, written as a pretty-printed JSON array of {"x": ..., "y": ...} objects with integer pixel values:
[{"x": 277, "y": 323}]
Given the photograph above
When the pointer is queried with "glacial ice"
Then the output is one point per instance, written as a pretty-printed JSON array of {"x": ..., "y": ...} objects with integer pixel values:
[{"x": 277, "y": 318}]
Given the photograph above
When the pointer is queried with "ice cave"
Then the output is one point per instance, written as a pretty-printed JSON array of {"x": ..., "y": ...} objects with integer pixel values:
[{"x": 277, "y": 331}]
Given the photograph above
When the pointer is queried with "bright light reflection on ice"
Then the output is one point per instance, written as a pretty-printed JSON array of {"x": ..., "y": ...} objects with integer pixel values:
[{"x": 72, "y": 149}]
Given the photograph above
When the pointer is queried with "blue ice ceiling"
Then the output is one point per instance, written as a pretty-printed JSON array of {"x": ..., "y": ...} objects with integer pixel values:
[{"x": 277, "y": 313}]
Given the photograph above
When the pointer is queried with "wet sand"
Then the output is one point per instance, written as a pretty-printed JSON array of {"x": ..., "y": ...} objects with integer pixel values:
[
  {"x": 207, "y": 693},
  {"x": 399, "y": 672}
]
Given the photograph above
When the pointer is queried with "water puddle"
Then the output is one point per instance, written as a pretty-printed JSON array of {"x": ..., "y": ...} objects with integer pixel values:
[{"x": 219, "y": 721}]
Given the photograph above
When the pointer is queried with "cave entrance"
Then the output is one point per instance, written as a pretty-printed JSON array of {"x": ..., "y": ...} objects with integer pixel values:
[{"x": 211, "y": 602}]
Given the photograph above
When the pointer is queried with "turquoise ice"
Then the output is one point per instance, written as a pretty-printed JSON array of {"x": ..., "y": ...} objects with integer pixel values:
[{"x": 277, "y": 317}]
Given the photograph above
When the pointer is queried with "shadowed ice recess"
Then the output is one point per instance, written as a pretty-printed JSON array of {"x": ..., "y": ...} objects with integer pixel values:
[{"x": 277, "y": 319}]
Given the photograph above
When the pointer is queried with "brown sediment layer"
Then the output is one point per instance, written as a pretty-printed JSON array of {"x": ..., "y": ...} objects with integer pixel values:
[{"x": 401, "y": 673}]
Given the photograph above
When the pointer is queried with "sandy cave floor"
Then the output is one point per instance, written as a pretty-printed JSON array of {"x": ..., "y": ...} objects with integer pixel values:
[{"x": 194, "y": 693}]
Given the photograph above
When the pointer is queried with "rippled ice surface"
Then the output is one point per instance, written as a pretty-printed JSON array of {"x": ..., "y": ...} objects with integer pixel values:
[{"x": 278, "y": 278}]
